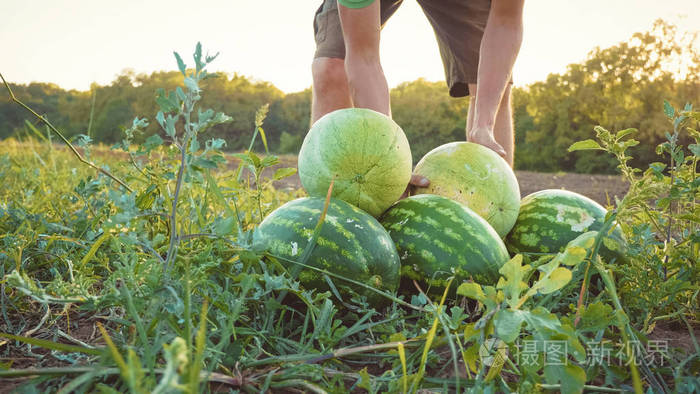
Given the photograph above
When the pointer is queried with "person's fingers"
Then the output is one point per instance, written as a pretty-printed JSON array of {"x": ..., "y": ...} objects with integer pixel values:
[
  {"x": 419, "y": 181},
  {"x": 416, "y": 181}
]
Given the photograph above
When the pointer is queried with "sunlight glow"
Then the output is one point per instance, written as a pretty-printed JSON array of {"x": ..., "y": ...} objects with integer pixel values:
[{"x": 74, "y": 43}]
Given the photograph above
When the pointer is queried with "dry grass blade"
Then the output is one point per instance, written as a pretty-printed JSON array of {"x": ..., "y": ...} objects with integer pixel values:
[{"x": 62, "y": 347}]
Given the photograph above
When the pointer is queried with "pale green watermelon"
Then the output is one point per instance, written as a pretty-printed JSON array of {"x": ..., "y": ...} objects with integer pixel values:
[
  {"x": 475, "y": 176},
  {"x": 438, "y": 238},
  {"x": 364, "y": 151},
  {"x": 550, "y": 219},
  {"x": 352, "y": 244}
]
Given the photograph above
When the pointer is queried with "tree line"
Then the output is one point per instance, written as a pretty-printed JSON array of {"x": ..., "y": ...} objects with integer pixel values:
[{"x": 617, "y": 87}]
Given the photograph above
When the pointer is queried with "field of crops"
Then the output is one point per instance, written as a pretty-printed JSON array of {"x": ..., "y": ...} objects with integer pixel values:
[{"x": 135, "y": 268}]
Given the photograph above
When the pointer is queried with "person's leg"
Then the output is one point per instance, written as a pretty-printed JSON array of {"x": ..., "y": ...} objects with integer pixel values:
[
  {"x": 503, "y": 126},
  {"x": 366, "y": 81},
  {"x": 330, "y": 87},
  {"x": 470, "y": 113}
]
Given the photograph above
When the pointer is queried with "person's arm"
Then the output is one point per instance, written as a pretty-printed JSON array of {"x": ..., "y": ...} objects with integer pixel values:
[
  {"x": 361, "y": 28},
  {"x": 499, "y": 49}
]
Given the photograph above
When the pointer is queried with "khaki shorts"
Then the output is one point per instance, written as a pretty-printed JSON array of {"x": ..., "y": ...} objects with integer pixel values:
[{"x": 458, "y": 25}]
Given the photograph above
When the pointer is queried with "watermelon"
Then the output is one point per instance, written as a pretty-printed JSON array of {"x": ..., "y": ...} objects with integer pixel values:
[
  {"x": 550, "y": 219},
  {"x": 438, "y": 238},
  {"x": 475, "y": 176},
  {"x": 366, "y": 153},
  {"x": 351, "y": 243}
]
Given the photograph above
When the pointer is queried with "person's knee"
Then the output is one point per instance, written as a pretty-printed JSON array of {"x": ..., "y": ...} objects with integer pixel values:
[{"x": 328, "y": 73}]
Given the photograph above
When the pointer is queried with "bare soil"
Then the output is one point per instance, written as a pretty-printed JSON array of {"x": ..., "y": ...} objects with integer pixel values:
[{"x": 601, "y": 188}]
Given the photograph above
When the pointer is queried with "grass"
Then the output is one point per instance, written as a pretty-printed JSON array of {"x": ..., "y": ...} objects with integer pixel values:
[{"x": 138, "y": 272}]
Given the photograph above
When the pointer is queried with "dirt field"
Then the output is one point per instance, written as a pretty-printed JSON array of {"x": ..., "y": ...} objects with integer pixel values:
[{"x": 601, "y": 188}]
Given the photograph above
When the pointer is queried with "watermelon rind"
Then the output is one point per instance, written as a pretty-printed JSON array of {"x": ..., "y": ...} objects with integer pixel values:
[
  {"x": 438, "y": 238},
  {"x": 366, "y": 154},
  {"x": 476, "y": 177},
  {"x": 550, "y": 219},
  {"x": 351, "y": 244}
]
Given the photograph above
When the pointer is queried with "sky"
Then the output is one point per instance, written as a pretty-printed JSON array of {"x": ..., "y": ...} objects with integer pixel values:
[{"x": 74, "y": 43}]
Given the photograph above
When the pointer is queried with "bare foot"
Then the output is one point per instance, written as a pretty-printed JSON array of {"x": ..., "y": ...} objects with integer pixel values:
[
  {"x": 484, "y": 136},
  {"x": 416, "y": 181}
]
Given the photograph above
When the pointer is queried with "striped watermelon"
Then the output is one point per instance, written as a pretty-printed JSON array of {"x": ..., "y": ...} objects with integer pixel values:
[
  {"x": 351, "y": 244},
  {"x": 366, "y": 152},
  {"x": 475, "y": 176},
  {"x": 437, "y": 238},
  {"x": 550, "y": 219}
]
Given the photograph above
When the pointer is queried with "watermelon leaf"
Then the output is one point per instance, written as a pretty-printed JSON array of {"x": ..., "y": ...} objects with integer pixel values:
[
  {"x": 546, "y": 327},
  {"x": 572, "y": 377},
  {"x": 472, "y": 290},
  {"x": 553, "y": 281},
  {"x": 573, "y": 255},
  {"x": 471, "y": 355},
  {"x": 512, "y": 282},
  {"x": 552, "y": 278},
  {"x": 508, "y": 323},
  {"x": 488, "y": 296},
  {"x": 595, "y": 317}
]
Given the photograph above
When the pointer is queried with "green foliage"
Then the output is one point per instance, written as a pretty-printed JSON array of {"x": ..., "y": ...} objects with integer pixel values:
[
  {"x": 290, "y": 143},
  {"x": 619, "y": 87},
  {"x": 660, "y": 216},
  {"x": 161, "y": 289},
  {"x": 507, "y": 311}
]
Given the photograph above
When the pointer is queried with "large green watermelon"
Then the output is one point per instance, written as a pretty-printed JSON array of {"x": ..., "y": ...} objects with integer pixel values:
[
  {"x": 351, "y": 244},
  {"x": 550, "y": 219},
  {"x": 475, "y": 176},
  {"x": 437, "y": 238},
  {"x": 366, "y": 152}
]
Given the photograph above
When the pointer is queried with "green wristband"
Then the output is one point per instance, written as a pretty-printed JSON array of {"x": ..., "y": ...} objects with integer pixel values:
[{"x": 355, "y": 3}]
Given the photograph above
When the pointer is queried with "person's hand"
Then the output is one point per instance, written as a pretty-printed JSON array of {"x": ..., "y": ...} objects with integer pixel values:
[
  {"x": 484, "y": 136},
  {"x": 416, "y": 181}
]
